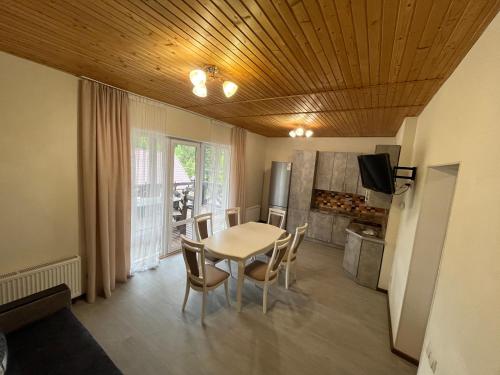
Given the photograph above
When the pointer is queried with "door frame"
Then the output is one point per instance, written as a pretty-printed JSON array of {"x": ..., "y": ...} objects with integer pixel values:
[{"x": 169, "y": 225}]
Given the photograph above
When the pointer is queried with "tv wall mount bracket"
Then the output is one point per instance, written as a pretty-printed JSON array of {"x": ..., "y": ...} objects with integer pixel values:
[{"x": 411, "y": 177}]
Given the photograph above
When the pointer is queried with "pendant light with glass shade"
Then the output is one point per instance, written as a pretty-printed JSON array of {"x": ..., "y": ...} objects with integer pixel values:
[
  {"x": 198, "y": 78},
  {"x": 229, "y": 88},
  {"x": 200, "y": 90}
]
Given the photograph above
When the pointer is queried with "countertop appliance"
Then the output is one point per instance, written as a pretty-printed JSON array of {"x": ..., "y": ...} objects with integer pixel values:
[{"x": 279, "y": 186}]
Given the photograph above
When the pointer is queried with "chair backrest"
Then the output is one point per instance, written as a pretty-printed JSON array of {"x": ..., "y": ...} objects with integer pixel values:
[
  {"x": 233, "y": 217},
  {"x": 279, "y": 251},
  {"x": 194, "y": 259},
  {"x": 276, "y": 217},
  {"x": 203, "y": 226},
  {"x": 300, "y": 233}
]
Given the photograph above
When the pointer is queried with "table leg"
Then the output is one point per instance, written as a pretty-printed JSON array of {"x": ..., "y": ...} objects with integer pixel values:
[{"x": 239, "y": 290}]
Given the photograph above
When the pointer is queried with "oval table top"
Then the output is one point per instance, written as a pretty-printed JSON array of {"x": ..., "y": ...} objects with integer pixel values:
[{"x": 243, "y": 241}]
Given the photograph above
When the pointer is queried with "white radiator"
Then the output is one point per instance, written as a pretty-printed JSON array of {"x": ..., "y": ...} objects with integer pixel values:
[
  {"x": 20, "y": 284},
  {"x": 252, "y": 214}
]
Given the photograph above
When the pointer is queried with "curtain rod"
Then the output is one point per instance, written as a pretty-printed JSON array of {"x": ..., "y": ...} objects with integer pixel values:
[{"x": 158, "y": 101}]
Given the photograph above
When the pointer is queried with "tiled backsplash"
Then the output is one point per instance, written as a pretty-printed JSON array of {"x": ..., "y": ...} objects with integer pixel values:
[{"x": 344, "y": 202}]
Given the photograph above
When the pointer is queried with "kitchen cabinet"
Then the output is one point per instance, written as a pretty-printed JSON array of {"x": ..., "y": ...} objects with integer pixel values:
[
  {"x": 320, "y": 226},
  {"x": 360, "y": 190},
  {"x": 338, "y": 172},
  {"x": 296, "y": 218},
  {"x": 351, "y": 173},
  {"x": 328, "y": 227},
  {"x": 363, "y": 256},
  {"x": 339, "y": 234},
  {"x": 370, "y": 260},
  {"x": 324, "y": 170},
  {"x": 351, "y": 254},
  {"x": 301, "y": 186},
  {"x": 302, "y": 179}
]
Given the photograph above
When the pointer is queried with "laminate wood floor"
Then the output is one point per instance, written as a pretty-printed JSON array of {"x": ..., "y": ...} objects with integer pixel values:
[{"x": 325, "y": 324}]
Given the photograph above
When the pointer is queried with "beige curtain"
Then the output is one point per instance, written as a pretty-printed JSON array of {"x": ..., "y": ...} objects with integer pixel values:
[
  {"x": 104, "y": 146},
  {"x": 237, "y": 180}
]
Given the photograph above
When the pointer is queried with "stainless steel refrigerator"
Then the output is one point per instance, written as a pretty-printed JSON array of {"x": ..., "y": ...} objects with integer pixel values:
[{"x": 279, "y": 186}]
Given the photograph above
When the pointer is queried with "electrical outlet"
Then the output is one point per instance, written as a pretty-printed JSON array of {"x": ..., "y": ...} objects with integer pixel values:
[
  {"x": 434, "y": 366},
  {"x": 432, "y": 361}
]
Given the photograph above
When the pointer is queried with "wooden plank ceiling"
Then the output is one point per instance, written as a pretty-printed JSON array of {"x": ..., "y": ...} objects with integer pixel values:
[{"x": 341, "y": 68}]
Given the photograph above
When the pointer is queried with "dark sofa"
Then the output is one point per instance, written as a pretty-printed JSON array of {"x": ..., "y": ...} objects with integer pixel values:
[{"x": 44, "y": 337}]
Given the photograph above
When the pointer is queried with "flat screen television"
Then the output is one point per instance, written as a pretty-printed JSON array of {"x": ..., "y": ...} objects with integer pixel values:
[{"x": 376, "y": 173}]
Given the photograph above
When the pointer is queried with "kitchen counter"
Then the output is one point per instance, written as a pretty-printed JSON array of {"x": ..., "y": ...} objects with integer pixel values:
[
  {"x": 363, "y": 231},
  {"x": 363, "y": 253}
]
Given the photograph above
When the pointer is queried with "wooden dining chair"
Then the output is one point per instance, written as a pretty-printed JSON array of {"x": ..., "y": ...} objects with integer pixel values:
[
  {"x": 276, "y": 217},
  {"x": 266, "y": 274},
  {"x": 289, "y": 261},
  {"x": 233, "y": 217},
  {"x": 203, "y": 226},
  {"x": 201, "y": 277},
  {"x": 290, "y": 257}
]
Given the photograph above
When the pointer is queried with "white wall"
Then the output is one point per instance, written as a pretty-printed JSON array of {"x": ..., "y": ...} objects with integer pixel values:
[
  {"x": 281, "y": 149},
  {"x": 38, "y": 161},
  {"x": 405, "y": 138},
  {"x": 461, "y": 125},
  {"x": 430, "y": 234},
  {"x": 38, "y": 164},
  {"x": 254, "y": 168},
  {"x": 175, "y": 122}
]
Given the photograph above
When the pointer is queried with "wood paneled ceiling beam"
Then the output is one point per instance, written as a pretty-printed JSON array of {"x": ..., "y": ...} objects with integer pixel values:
[
  {"x": 345, "y": 90},
  {"x": 413, "y": 108}
]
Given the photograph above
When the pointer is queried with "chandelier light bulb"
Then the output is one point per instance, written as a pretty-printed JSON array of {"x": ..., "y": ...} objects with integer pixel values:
[
  {"x": 292, "y": 134},
  {"x": 200, "y": 90},
  {"x": 229, "y": 88},
  {"x": 198, "y": 77},
  {"x": 299, "y": 132},
  {"x": 309, "y": 133}
]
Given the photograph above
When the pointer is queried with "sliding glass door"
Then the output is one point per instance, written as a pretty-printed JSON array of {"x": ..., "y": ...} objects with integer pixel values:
[
  {"x": 215, "y": 182},
  {"x": 173, "y": 180},
  {"x": 184, "y": 177}
]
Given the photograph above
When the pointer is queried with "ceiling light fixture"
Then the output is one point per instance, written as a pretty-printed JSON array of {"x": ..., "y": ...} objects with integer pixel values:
[
  {"x": 200, "y": 90},
  {"x": 229, "y": 88},
  {"x": 300, "y": 132},
  {"x": 198, "y": 78}
]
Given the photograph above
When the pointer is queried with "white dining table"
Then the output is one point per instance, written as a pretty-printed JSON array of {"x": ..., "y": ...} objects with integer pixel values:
[{"x": 240, "y": 243}]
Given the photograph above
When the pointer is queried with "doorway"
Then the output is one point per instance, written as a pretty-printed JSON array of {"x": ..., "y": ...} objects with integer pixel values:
[
  {"x": 173, "y": 180},
  {"x": 184, "y": 168},
  {"x": 430, "y": 235}
]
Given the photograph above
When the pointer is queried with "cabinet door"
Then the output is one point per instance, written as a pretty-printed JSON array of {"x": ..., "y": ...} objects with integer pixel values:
[
  {"x": 338, "y": 172},
  {"x": 301, "y": 182},
  {"x": 324, "y": 170},
  {"x": 320, "y": 226},
  {"x": 351, "y": 254},
  {"x": 339, "y": 235},
  {"x": 351, "y": 173},
  {"x": 296, "y": 218},
  {"x": 370, "y": 259},
  {"x": 361, "y": 190}
]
